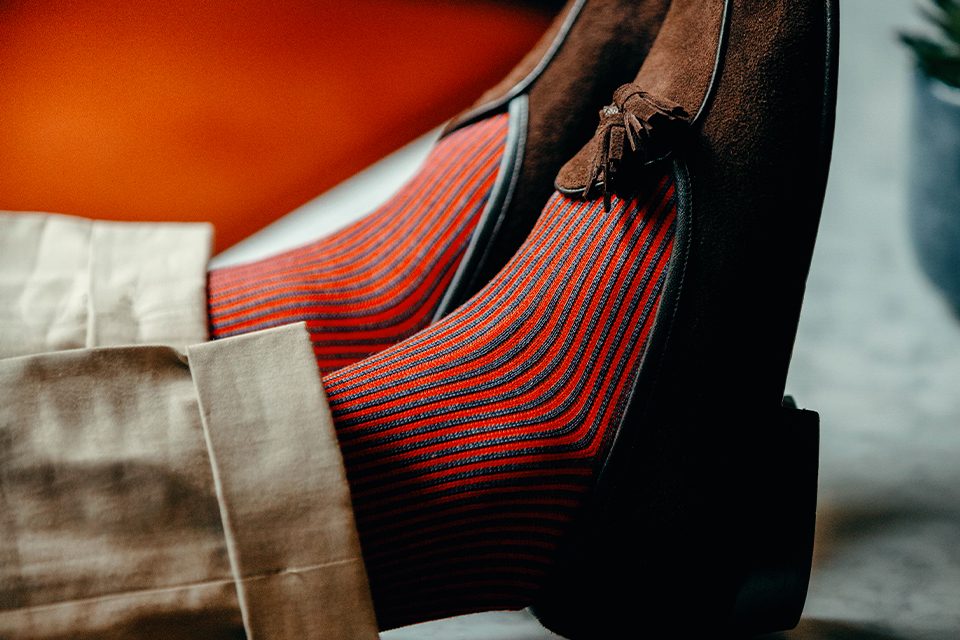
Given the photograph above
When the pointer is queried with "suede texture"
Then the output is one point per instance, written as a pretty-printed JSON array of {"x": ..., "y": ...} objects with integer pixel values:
[
  {"x": 602, "y": 50},
  {"x": 666, "y": 516},
  {"x": 657, "y": 76}
]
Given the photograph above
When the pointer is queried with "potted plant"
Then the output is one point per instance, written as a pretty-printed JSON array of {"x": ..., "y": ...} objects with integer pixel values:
[{"x": 934, "y": 180}]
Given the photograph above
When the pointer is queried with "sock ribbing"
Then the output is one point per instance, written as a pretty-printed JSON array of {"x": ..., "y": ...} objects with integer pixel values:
[
  {"x": 380, "y": 279},
  {"x": 471, "y": 446}
]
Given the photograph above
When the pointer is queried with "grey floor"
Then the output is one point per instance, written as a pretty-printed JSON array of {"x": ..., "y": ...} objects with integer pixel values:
[{"x": 878, "y": 354}]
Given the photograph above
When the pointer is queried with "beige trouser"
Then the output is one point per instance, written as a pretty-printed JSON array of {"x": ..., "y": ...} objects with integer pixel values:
[{"x": 153, "y": 484}]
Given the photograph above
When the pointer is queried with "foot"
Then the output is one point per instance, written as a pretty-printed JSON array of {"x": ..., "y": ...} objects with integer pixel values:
[
  {"x": 471, "y": 446},
  {"x": 380, "y": 279}
]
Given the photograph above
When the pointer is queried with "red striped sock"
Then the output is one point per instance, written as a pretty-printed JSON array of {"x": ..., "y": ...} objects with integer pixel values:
[
  {"x": 470, "y": 446},
  {"x": 381, "y": 279}
]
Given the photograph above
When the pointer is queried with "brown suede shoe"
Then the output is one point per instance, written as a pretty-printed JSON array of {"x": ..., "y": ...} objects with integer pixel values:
[
  {"x": 703, "y": 515},
  {"x": 552, "y": 96}
]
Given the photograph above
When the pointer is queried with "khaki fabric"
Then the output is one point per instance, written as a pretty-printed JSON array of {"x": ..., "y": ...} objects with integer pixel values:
[
  {"x": 158, "y": 491},
  {"x": 147, "y": 490},
  {"x": 68, "y": 282}
]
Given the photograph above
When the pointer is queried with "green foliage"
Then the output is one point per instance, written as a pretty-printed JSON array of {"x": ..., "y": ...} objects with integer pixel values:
[{"x": 939, "y": 55}]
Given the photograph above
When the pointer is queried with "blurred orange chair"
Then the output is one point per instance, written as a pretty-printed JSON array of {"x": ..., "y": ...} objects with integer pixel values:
[{"x": 232, "y": 111}]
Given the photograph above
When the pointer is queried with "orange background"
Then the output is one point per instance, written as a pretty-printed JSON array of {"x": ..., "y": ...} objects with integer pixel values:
[{"x": 232, "y": 111}]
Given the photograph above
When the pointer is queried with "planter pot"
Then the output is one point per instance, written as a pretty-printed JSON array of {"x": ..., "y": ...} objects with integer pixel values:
[{"x": 934, "y": 188}]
